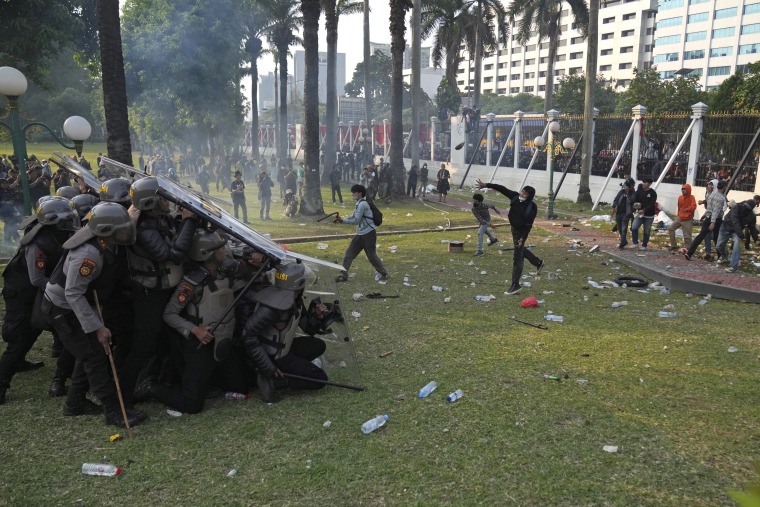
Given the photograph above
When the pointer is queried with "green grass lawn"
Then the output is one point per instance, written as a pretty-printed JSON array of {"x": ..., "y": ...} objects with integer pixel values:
[{"x": 682, "y": 410}]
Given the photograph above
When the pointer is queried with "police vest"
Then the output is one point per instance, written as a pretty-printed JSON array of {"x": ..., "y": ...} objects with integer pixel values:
[
  {"x": 49, "y": 241},
  {"x": 278, "y": 338},
  {"x": 150, "y": 273},
  {"x": 214, "y": 299}
]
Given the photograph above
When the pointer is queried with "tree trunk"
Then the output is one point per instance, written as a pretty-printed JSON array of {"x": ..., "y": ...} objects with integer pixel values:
[
  {"x": 311, "y": 204},
  {"x": 331, "y": 117},
  {"x": 398, "y": 28},
  {"x": 553, "y": 42},
  {"x": 587, "y": 153},
  {"x": 478, "y": 59},
  {"x": 416, "y": 67},
  {"x": 254, "y": 47},
  {"x": 367, "y": 67},
  {"x": 283, "y": 137},
  {"x": 118, "y": 141},
  {"x": 276, "y": 144}
]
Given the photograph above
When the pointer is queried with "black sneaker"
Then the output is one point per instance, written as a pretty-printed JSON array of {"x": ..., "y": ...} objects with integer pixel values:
[
  {"x": 343, "y": 277},
  {"x": 493, "y": 241},
  {"x": 114, "y": 417},
  {"x": 687, "y": 256},
  {"x": 85, "y": 407},
  {"x": 514, "y": 289},
  {"x": 540, "y": 267}
]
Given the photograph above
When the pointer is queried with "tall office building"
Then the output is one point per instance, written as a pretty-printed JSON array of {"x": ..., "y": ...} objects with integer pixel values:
[
  {"x": 386, "y": 49},
  {"x": 711, "y": 39},
  {"x": 266, "y": 92},
  {"x": 708, "y": 38},
  {"x": 299, "y": 69}
]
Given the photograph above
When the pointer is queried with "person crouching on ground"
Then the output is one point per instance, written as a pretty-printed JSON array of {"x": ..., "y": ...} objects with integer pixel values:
[
  {"x": 522, "y": 213},
  {"x": 480, "y": 210}
]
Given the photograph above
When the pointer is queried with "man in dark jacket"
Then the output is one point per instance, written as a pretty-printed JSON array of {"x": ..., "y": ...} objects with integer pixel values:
[
  {"x": 740, "y": 215},
  {"x": 522, "y": 213},
  {"x": 643, "y": 212},
  {"x": 622, "y": 208}
]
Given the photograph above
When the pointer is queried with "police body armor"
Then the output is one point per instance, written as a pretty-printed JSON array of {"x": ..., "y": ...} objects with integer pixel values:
[
  {"x": 16, "y": 273},
  {"x": 110, "y": 277},
  {"x": 207, "y": 309},
  {"x": 278, "y": 338},
  {"x": 152, "y": 274}
]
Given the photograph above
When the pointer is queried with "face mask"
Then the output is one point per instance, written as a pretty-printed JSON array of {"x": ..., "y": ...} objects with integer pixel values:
[{"x": 522, "y": 199}]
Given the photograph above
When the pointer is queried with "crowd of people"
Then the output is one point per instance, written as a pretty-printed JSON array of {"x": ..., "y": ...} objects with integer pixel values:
[{"x": 120, "y": 275}]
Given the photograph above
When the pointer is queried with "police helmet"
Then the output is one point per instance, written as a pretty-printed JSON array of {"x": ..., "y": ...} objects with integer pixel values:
[
  {"x": 144, "y": 193},
  {"x": 204, "y": 245},
  {"x": 115, "y": 190},
  {"x": 58, "y": 211},
  {"x": 83, "y": 203},
  {"x": 68, "y": 192},
  {"x": 111, "y": 220},
  {"x": 291, "y": 276}
]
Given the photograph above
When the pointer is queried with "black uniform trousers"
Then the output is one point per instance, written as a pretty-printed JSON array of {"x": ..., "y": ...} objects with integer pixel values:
[
  {"x": 91, "y": 360},
  {"x": 149, "y": 336},
  {"x": 199, "y": 367},
  {"x": 303, "y": 351},
  {"x": 18, "y": 331}
]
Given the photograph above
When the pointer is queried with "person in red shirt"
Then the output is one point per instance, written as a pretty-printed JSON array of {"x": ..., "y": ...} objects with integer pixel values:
[{"x": 685, "y": 220}]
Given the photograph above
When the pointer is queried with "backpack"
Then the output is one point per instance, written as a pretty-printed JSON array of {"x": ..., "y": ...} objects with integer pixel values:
[{"x": 377, "y": 215}]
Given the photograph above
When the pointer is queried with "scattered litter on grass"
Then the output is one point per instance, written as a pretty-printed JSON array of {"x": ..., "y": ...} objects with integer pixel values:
[
  {"x": 554, "y": 318},
  {"x": 471, "y": 263},
  {"x": 447, "y": 300},
  {"x": 386, "y": 354},
  {"x": 232, "y": 473},
  {"x": 483, "y": 273},
  {"x": 612, "y": 449},
  {"x": 342, "y": 364},
  {"x": 595, "y": 285},
  {"x": 733, "y": 349},
  {"x": 585, "y": 298},
  {"x": 667, "y": 315},
  {"x": 428, "y": 389},
  {"x": 409, "y": 214},
  {"x": 393, "y": 249},
  {"x": 669, "y": 308},
  {"x": 437, "y": 288},
  {"x": 302, "y": 225},
  {"x": 548, "y": 376},
  {"x": 322, "y": 246},
  {"x": 547, "y": 292},
  {"x": 527, "y": 284},
  {"x": 174, "y": 413},
  {"x": 114, "y": 438},
  {"x": 601, "y": 218},
  {"x": 485, "y": 298},
  {"x": 582, "y": 381},
  {"x": 356, "y": 314},
  {"x": 357, "y": 296},
  {"x": 618, "y": 304},
  {"x": 327, "y": 424},
  {"x": 529, "y": 302},
  {"x": 468, "y": 237},
  {"x": 365, "y": 328}
]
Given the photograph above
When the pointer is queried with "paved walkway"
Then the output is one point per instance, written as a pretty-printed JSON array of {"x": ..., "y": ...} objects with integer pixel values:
[{"x": 658, "y": 264}]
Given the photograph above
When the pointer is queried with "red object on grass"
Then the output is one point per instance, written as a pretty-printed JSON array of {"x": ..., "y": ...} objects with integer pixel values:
[{"x": 529, "y": 302}]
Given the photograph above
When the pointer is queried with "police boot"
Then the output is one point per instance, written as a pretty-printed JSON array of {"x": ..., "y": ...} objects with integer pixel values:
[
  {"x": 116, "y": 418},
  {"x": 84, "y": 407},
  {"x": 29, "y": 366},
  {"x": 266, "y": 387},
  {"x": 57, "y": 385}
]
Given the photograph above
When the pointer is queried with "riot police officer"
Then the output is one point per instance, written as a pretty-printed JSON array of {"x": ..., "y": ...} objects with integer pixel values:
[
  {"x": 116, "y": 190},
  {"x": 29, "y": 270},
  {"x": 155, "y": 266},
  {"x": 79, "y": 288},
  {"x": 270, "y": 338}
]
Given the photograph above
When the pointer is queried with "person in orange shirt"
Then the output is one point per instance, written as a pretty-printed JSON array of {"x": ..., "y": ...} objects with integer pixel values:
[{"x": 685, "y": 220}]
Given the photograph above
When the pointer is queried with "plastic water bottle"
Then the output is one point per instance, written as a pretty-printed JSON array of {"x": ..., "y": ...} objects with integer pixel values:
[
  {"x": 451, "y": 398},
  {"x": 437, "y": 288},
  {"x": 554, "y": 318},
  {"x": 482, "y": 298},
  {"x": 667, "y": 315},
  {"x": 703, "y": 302},
  {"x": 373, "y": 424},
  {"x": 425, "y": 391},
  {"x": 618, "y": 304},
  {"x": 235, "y": 396},
  {"x": 100, "y": 469}
]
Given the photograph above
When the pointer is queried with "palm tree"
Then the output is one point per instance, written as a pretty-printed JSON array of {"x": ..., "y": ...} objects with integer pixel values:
[
  {"x": 286, "y": 19},
  {"x": 584, "y": 191},
  {"x": 397, "y": 28},
  {"x": 491, "y": 29},
  {"x": 446, "y": 21},
  {"x": 114, "y": 84},
  {"x": 333, "y": 11},
  {"x": 312, "y": 201},
  {"x": 542, "y": 17},
  {"x": 256, "y": 25}
]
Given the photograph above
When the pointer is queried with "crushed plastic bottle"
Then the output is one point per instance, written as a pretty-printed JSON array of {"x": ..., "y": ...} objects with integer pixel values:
[
  {"x": 703, "y": 302},
  {"x": 733, "y": 349},
  {"x": 429, "y": 388},
  {"x": 447, "y": 300},
  {"x": 451, "y": 398},
  {"x": 437, "y": 288},
  {"x": 485, "y": 298},
  {"x": 374, "y": 423},
  {"x": 100, "y": 469},
  {"x": 554, "y": 318},
  {"x": 667, "y": 315},
  {"x": 235, "y": 396},
  {"x": 618, "y": 304}
]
